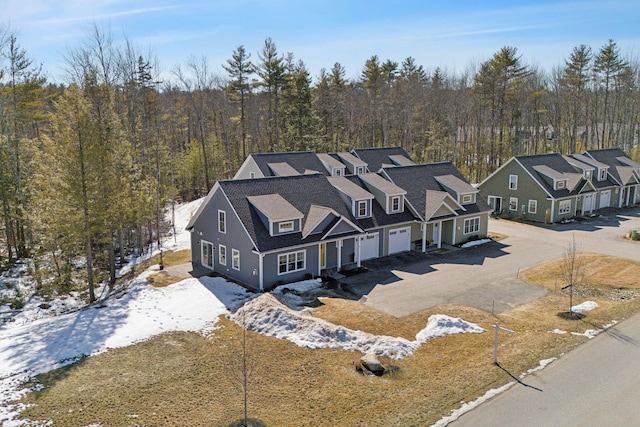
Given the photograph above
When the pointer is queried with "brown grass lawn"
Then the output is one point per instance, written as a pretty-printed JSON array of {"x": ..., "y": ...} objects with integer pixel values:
[{"x": 180, "y": 379}]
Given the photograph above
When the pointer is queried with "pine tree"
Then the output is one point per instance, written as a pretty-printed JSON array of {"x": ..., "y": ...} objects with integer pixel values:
[
  {"x": 609, "y": 69},
  {"x": 575, "y": 78},
  {"x": 240, "y": 69},
  {"x": 272, "y": 72}
]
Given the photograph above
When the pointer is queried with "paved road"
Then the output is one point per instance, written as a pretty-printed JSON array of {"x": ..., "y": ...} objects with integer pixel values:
[
  {"x": 485, "y": 276},
  {"x": 597, "y": 384}
]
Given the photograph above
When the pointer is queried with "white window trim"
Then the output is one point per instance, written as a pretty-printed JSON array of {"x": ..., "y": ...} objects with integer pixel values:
[
  {"x": 467, "y": 198},
  {"x": 337, "y": 172},
  {"x": 289, "y": 229},
  {"x": 235, "y": 259},
  {"x": 359, "y": 204},
  {"x": 602, "y": 174},
  {"x": 286, "y": 256},
  {"x": 561, "y": 185},
  {"x": 202, "y": 245},
  {"x": 472, "y": 225},
  {"x": 252, "y": 175},
  {"x": 532, "y": 204},
  {"x": 513, "y": 182},
  {"x": 513, "y": 206},
  {"x": 222, "y": 229},
  {"x": 399, "y": 199},
  {"x": 567, "y": 207},
  {"x": 360, "y": 170},
  {"x": 222, "y": 255}
]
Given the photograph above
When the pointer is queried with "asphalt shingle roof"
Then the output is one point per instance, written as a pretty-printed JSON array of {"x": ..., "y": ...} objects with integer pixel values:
[
  {"x": 300, "y": 191},
  {"x": 418, "y": 179},
  {"x": 553, "y": 165},
  {"x": 300, "y": 161},
  {"x": 376, "y": 157},
  {"x": 617, "y": 168},
  {"x": 379, "y": 217}
]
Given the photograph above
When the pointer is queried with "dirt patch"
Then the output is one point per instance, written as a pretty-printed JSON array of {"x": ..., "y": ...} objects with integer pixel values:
[{"x": 162, "y": 279}]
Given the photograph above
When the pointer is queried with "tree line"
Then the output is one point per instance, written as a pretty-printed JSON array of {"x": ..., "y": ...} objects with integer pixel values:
[{"x": 88, "y": 167}]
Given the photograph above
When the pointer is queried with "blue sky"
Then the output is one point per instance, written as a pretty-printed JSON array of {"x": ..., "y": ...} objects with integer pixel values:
[{"x": 449, "y": 34}]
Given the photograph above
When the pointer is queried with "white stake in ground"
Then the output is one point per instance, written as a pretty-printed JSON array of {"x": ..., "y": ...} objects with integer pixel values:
[{"x": 495, "y": 341}]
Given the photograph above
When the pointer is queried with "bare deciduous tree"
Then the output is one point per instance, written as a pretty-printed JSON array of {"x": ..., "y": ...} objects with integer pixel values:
[{"x": 571, "y": 268}]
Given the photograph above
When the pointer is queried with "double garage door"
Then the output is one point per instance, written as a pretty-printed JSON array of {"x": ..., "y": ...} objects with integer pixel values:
[{"x": 399, "y": 240}]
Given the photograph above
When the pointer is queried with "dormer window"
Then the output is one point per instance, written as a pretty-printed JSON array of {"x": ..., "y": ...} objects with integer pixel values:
[
  {"x": 362, "y": 209},
  {"x": 360, "y": 170},
  {"x": 395, "y": 204},
  {"x": 602, "y": 174},
  {"x": 337, "y": 172},
  {"x": 285, "y": 227},
  {"x": 467, "y": 198},
  {"x": 587, "y": 175},
  {"x": 560, "y": 185}
]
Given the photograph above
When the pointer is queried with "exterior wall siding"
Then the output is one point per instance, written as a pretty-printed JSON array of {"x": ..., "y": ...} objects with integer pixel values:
[
  {"x": 527, "y": 189},
  {"x": 247, "y": 168},
  {"x": 272, "y": 278},
  {"x": 206, "y": 228},
  {"x": 483, "y": 228}
]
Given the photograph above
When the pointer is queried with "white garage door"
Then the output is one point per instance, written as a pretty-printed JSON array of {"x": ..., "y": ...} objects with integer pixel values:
[
  {"x": 605, "y": 199},
  {"x": 587, "y": 204},
  {"x": 399, "y": 240},
  {"x": 369, "y": 246}
]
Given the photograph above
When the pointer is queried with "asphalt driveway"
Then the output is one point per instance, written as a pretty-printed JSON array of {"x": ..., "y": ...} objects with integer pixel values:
[{"x": 486, "y": 276}]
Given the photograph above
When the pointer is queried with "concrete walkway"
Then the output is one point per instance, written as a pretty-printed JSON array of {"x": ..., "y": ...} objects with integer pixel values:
[{"x": 485, "y": 276}]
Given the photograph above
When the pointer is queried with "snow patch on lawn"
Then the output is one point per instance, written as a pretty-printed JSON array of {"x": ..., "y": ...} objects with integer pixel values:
[
  {"x": 268, "y": 316},
  {"x": 440, "y": 325},
  {"x": 558, "y": 331},
  {"x": 585, "y": 306}
]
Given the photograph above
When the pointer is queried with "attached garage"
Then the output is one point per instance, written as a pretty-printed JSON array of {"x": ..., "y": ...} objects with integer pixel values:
[
  {"x": 605, "y": 199},
  {"x": 369, "y": 246},
  {"x": 399, "y": 240}
]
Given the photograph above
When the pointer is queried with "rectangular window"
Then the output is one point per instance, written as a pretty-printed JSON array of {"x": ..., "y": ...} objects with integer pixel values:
[
  {"x": 362, "y": 209},
  {"x": 290, "y": 262},
  {"x": 360, "y": 170},
  {"x": 471, "y": 225},
  {"x": 252, "y": 175},
  {"x": 222, "y": 221},
  {"x": 235, "y": 259},
  {"x": 533, "y": 206},
  {"x": 560, "y": 185},
  {"x": 513, "y": 182},
  {"x": 285, "y": 227},
  {"x": 603, "y": 175},
  {"x": 564, "y": 207},
  {"x": 222, "y": 254},
  {"x": 207, "y": 254},
  {"x": 338, "y": 172},
  {"x": 467, "y": 198},
  {"x": 395, "y": 204},
  {"x": 587, "y": 175},
  {"x": 513, "y": 203}
]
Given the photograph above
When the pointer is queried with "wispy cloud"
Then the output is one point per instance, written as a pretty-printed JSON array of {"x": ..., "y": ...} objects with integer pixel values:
[{"x": 105, "y": 16}]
